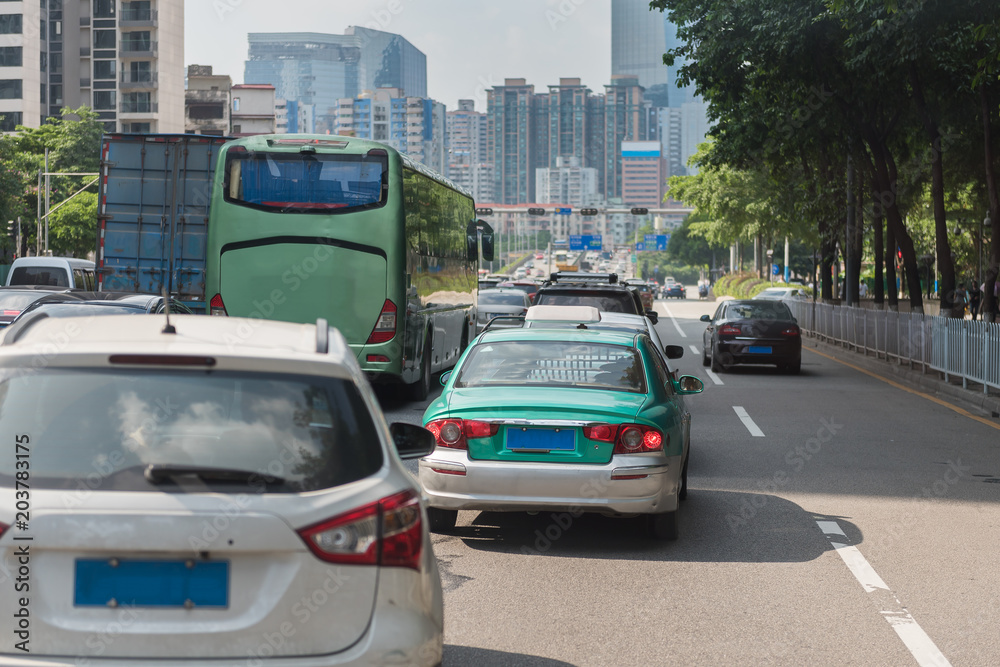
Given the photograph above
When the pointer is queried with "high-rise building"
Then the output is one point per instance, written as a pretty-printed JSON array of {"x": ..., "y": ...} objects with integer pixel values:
[
  {"x": 320, "y": 69},
  {"x": 567, "y": 183},
  {"x": 512, "y": 117},
  {"x": 468, "y": 166},
  {"x": 644, "y": 174},
  {"x": 626, "y": 118},
  {"x": 412, "y": 125},
  {"x": 122, "y": 59},
  {"x": 638, "y": 42}
]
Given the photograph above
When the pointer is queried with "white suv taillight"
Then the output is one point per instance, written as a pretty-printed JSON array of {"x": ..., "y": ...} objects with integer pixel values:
[
  {"x": 387, "y": 533},
  {"x": 216, "y": 307},
  {"x": 385, "y": 327}
]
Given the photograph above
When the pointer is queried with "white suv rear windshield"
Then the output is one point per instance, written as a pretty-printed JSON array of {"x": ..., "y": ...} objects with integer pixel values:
[
  {"x": 553, "y": 364},
  {"x": 109, "y": 429}
]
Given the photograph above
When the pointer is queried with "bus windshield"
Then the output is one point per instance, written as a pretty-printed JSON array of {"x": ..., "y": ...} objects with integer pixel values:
[{"x": 305, "y": 182}]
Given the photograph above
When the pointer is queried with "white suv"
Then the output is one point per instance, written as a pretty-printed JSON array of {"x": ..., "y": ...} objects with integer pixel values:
[{"x": 226, "y": 494}]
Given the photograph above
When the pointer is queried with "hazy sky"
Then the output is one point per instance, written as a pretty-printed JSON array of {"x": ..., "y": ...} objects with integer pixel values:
[{"x": 471, "y": 45}]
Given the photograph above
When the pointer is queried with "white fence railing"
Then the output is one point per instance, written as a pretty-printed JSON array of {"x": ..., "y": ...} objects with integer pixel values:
[{"x": 961, "y": 348}]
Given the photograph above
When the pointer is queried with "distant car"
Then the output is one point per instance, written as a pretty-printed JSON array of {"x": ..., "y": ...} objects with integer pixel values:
[
  {"x": 78, "y": 304},
  {"x": 520, "y": 272},
  {"x": 13, "y": 300},
  {"x": 554, "y": 418},
  {"x": 599, "y": 290},
  {"x": 646, "y": 292},
  {"x": 540, "y": 255},
  {"x": 236, "y": 468},
  {"x": 782, "y": 293},
  {"x": 752, "y": 331},
  {"x": 500, "y": 302},
  {"x": 67, "y": 272},
  {"x": 529, "y": 287},
  {"x": 674, "y": 290}
]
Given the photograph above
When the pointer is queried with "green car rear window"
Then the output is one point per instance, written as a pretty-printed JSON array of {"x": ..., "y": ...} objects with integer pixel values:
[{"x": 553, "y": 364}]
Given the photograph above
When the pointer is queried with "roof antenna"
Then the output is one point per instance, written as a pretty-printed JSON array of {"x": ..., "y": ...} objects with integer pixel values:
[{"x": 169, "y": 328}]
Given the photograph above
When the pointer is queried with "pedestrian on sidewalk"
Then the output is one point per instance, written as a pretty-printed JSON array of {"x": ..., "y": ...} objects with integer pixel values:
[
  {"x": 961, "y": 300},
  {"x": 975, "y": 298}
]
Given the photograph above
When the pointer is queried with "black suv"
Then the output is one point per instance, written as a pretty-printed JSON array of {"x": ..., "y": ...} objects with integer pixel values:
[{"x": 600, "y": 290}]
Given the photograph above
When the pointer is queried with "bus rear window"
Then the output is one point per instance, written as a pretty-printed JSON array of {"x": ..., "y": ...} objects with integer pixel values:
[{"x": 305, "y": 182}]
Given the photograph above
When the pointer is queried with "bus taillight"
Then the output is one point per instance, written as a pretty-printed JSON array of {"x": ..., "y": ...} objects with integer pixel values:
[
  {"x": 216, "y": 307},
  {"x": 385, "y": 328}
]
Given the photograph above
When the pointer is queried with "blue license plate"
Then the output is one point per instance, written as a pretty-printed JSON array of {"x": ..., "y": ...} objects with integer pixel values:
[
  {"x": 544, "y": 439},
  {"x": 757, "y": 349},
  {"x": 151, "y": 583}
]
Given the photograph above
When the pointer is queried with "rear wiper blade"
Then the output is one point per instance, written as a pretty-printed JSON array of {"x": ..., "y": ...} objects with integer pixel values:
[{"x": 155, "y": 473}]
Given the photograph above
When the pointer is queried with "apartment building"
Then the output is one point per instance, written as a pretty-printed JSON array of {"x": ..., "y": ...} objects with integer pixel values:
[
  {"x": 123, "y": 59},
  {"x": 206, "y": 102},
  {"x": 253, "y": 109}
]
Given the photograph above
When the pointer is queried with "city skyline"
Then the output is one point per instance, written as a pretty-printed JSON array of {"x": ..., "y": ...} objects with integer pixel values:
[{"x": 539, "y": 41}]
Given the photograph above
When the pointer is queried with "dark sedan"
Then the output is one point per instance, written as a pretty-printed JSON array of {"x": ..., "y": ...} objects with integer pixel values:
[
  {"x": 78, "y": 304},
  {"x": 13, "y": 300},
  {"x": 752, "y": 332}
]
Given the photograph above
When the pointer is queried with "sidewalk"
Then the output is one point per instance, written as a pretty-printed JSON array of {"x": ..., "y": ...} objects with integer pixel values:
[{"x": 932, "y": 382}]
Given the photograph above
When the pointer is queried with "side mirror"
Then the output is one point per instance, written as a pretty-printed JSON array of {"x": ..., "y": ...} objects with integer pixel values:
[
  {"x": 653, "y": 316},
  {"x": 487, "y": 233},
  {"x": 472, "y": 242},
  {"x": 706, "y": 318},
  {"x": 689, "y": 384},
  {"x": 444, "y": 378},
  {"x": 412, "y": 441},
  {"x": 673, "y": 351}
]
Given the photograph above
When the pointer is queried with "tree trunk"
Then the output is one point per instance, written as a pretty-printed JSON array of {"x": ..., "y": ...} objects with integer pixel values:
[
  {"x": 993, "y": 263},
  {"x": 943, "y": 245},
  {"x": 826, "y": 261},
  {"x": 879, "y": 252},
  {"x": 890, "y": 268},
  {"x": 903, "y": 239}
]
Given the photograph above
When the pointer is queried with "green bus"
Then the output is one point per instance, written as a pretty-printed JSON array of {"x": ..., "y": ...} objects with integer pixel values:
[{"x": 304, "y": 227}]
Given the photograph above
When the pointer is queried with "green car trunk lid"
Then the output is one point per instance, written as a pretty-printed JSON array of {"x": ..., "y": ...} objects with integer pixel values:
[{"x": 534, "y": 408}]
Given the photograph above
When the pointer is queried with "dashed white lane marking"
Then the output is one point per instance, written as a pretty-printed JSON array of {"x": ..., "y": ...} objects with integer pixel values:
[
  {"x": 715, "y": 378},
  {"x": 745, "y": 418},
  {"x": 674, "y": 320},
  {"x": 920, "y": 645}
]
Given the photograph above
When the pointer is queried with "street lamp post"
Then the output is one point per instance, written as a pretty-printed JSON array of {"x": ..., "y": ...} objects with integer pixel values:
[{"x": 770, "y": 265}]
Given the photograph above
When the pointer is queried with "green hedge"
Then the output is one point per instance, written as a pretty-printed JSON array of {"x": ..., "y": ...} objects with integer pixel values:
[{"x": 747, "y": 286}]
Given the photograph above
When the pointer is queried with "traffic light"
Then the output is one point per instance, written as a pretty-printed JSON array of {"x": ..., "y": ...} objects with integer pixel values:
[
  {"x": 484, "y": 211},
  {"x": 536, "y": 211},
  {"x": 588, "y": 211},
  {"x": 640, "y": 211},
  {"x": 10, "y": 228}
]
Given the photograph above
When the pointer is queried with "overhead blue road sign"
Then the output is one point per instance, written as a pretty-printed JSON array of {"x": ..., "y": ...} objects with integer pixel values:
[
  {"x": 585, "y": 242},
  {"x": 563, "y": 211}
]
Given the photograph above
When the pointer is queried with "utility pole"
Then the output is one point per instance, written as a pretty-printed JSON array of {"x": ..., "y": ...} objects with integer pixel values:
[{"x": 47, "y": 183}]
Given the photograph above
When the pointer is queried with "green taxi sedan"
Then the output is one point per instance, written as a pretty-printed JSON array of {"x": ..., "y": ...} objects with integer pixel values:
[{"x": 562, "y": 419}]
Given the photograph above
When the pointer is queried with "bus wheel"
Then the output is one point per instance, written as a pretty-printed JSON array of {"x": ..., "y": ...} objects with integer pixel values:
[{"x": 422, "y": 387}]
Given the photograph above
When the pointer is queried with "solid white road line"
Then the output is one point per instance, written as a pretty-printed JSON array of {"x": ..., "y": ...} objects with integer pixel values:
[
  {"x": 674, "y": 320},
  {"x": 745, "y": 418},
  {"x": 914, "y": 638}
]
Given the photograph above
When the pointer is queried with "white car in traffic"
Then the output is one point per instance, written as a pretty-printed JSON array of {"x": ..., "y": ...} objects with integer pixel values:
[{"x": 224, "y": 492}]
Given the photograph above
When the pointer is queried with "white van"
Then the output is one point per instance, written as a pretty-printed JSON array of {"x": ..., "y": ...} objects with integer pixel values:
[{"x": 53, "y": 271}]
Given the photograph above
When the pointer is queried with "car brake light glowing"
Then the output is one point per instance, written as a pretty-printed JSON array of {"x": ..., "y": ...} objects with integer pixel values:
[
  {"x": 378, "y": 358},
  {"x": 385, "y": 326},
  {"x": 216, "y": 307},
  {"x": 790, "y": 331},
  {"x": 3, "y": 527},
  {"x": 636, "y": 438},
  {"x": 729, "y": 330},
  {"x": 387, "y": 533}
]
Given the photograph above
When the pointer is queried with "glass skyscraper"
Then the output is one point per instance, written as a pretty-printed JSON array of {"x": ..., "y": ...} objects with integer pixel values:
[
  {"x": 639, "y": 38},
  {"x": 319, "y": 69}
]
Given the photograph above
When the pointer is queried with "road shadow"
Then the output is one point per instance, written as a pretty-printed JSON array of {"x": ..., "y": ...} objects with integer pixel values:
[
  {"x": 714, "y": 526},
  {"x": 462, "y": 656}
]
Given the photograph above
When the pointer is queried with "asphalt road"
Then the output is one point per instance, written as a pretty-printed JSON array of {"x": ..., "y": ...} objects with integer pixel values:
[{"x": 833, "y": 519}]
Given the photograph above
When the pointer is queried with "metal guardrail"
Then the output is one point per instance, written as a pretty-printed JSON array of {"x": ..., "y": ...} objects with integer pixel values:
[{"x": 961, "y": 348}]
